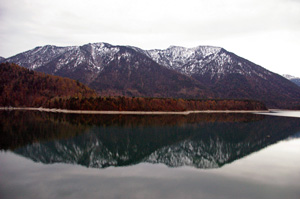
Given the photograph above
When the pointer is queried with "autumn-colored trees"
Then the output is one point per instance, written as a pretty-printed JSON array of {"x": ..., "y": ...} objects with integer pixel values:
[
  {"x": 152, "y": 104},
  {"x": 22, "y": 87}
]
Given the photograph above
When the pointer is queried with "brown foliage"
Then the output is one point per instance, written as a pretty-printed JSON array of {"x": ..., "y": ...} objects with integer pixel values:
[
  {"x": 152, "y": 104},
  {"x": 22, "y": 87}
]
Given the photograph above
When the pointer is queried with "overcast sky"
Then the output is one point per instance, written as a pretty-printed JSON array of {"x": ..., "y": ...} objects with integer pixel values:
[{"x": 266, "y": 32}]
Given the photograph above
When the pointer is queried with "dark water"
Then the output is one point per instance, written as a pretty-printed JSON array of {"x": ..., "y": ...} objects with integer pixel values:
[{"x": 46, "y": 155}]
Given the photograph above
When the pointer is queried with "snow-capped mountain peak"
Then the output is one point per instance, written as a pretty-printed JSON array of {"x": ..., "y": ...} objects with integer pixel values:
[
  {"x": 184, "y": 60},
  {"x": 214, "y": 62}
]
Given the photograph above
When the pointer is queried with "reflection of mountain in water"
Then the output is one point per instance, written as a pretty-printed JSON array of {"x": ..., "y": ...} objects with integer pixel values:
[
  {"x": 192, "y": 153},
  {"x": 198, "y": 140}
]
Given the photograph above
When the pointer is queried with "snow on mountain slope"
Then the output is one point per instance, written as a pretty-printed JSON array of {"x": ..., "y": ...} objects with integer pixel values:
[
  {"x": 199, "y": 72},
  {"x": 184, "y": 60},
  {"x": 82, "y": 63},
  {"x": 93, "y": 55},
  {"x": 289, "y": 77},
  {"x": 203, "y": 60},
  {"x": 293, "y": 79},
  {"x": 228, "y": 75},
  {"x": 38, "y": 56}
]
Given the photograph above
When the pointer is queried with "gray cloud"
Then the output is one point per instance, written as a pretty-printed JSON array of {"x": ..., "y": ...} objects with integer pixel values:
[{"x": 148, "y": 24}]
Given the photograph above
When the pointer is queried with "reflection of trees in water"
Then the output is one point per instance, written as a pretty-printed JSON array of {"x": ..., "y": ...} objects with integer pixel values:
[
  {"x": 19, "y": 128},
  {"x": 200, "y": 140}
]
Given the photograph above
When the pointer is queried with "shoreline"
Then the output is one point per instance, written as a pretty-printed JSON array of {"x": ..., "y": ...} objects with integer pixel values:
[{"x": 130, "y": 112}]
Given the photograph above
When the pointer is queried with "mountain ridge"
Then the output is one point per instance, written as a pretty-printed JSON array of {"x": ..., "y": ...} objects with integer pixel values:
[{"x": 199, "y": 72}]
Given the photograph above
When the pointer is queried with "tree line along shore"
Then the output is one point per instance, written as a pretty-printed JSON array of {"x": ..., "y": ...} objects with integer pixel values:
[{"x": 21, "y": 87}]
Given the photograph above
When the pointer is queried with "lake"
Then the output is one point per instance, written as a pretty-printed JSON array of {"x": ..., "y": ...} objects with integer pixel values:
[{"x": 53, "y": 155}]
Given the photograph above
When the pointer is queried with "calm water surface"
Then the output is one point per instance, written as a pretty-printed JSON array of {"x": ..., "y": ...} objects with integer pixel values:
[{"x": 46, "y": 155}]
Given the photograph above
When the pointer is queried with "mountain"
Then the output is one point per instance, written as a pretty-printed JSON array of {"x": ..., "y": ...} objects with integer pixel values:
[
  {"x": 1, "y": 59},
  {"x": 134, "y": 74},
  {"x": 20, "y": 86},
  {"x": 293, "y": 79},
  {"x": 111, "y": 70},
  {"x": 226, "y": 74},
  {"x": 200, "y": 72}
]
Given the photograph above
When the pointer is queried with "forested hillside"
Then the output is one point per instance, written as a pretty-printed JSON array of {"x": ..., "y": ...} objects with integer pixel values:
[{"x": 23, "y": 87}]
